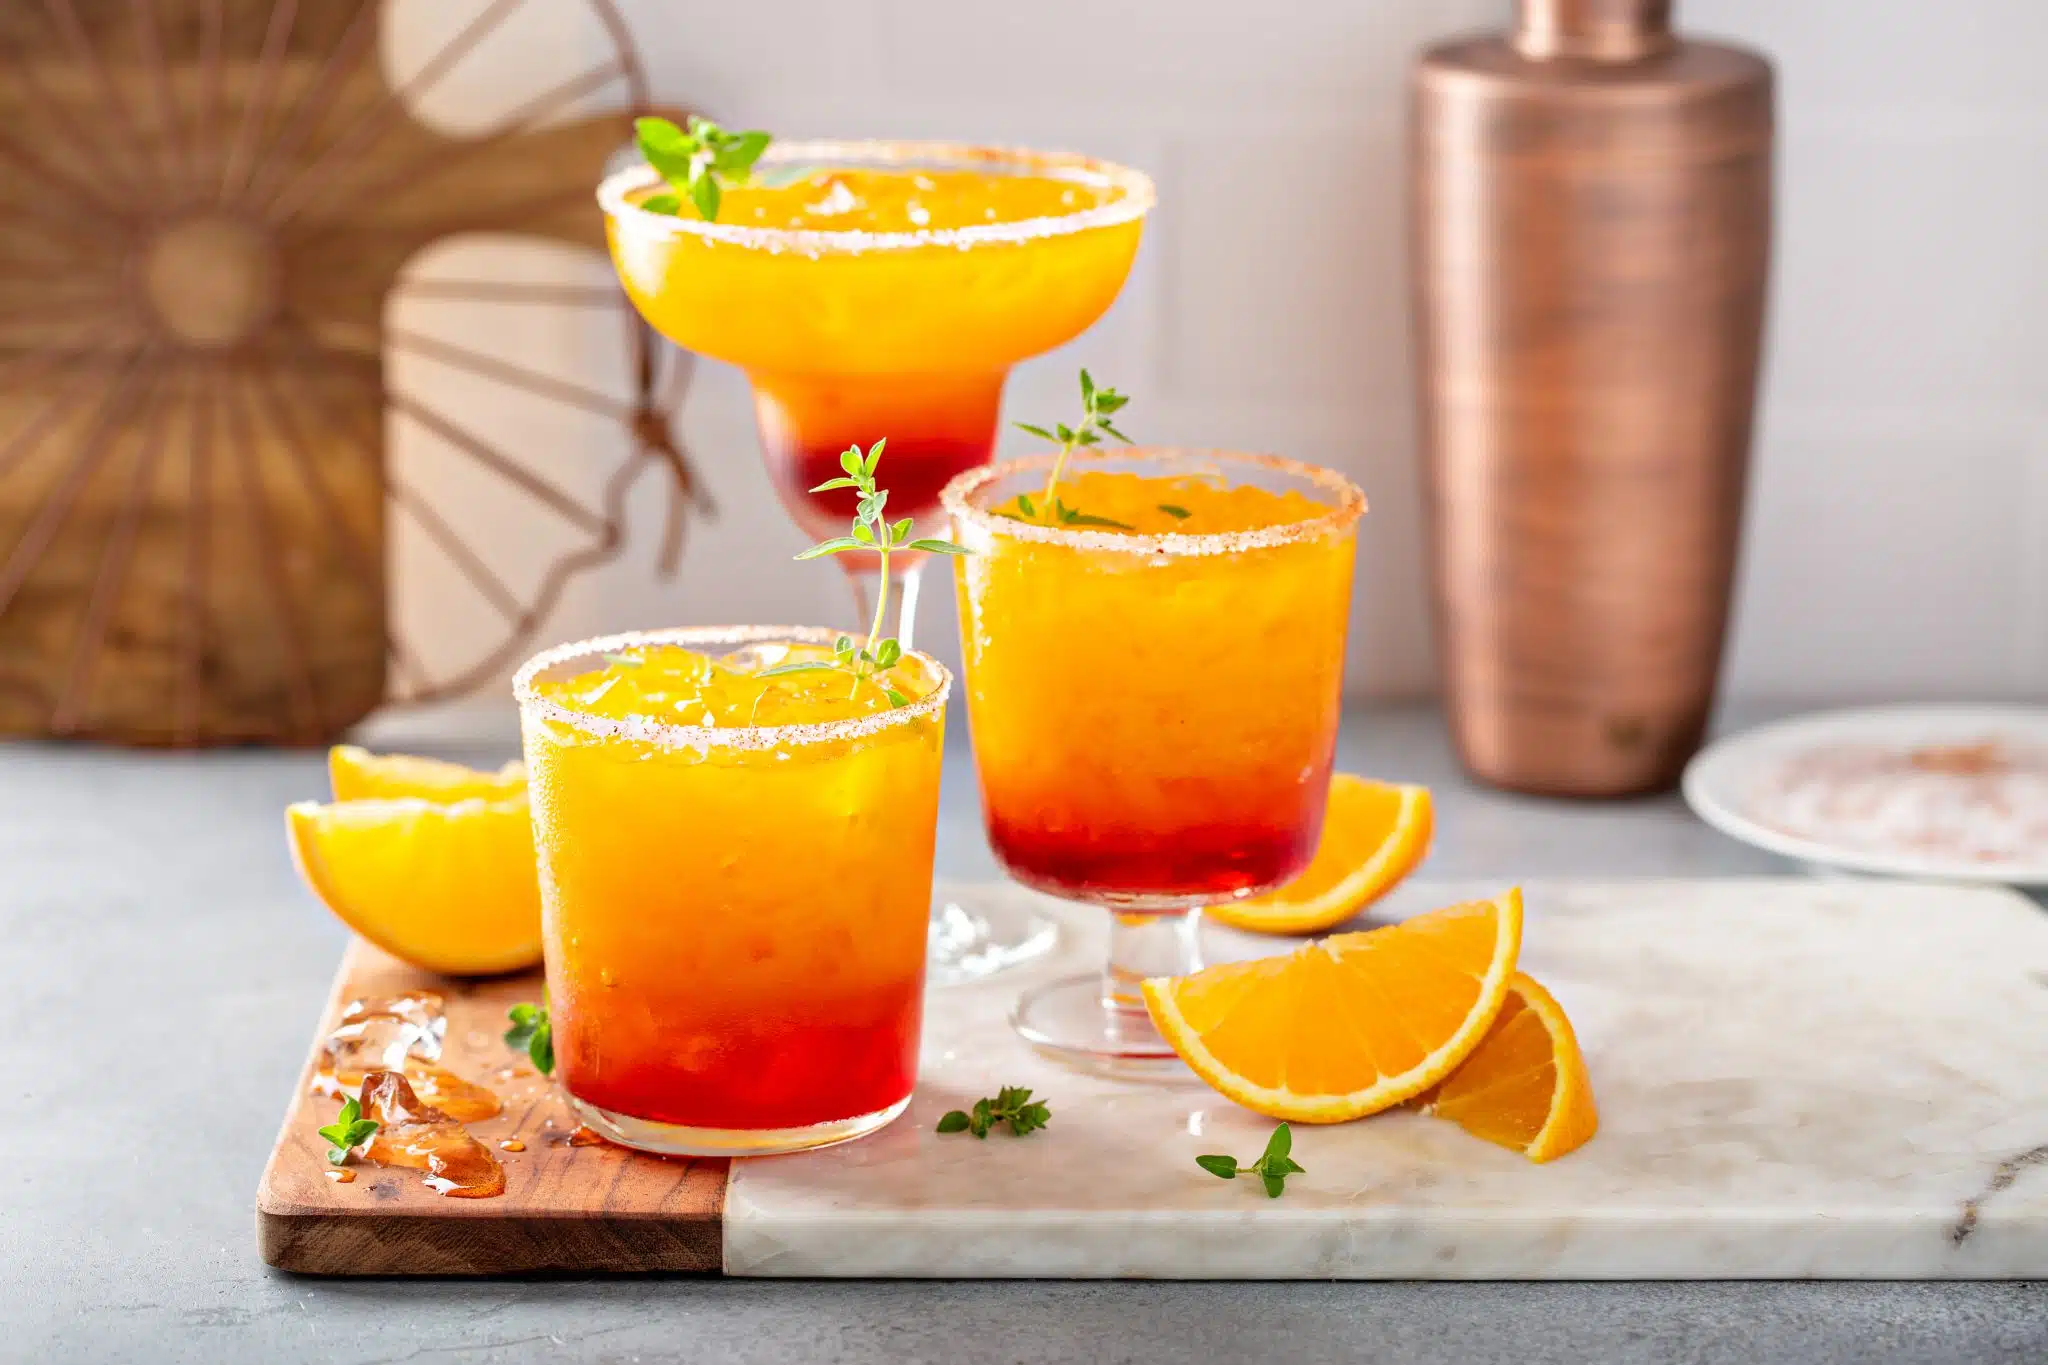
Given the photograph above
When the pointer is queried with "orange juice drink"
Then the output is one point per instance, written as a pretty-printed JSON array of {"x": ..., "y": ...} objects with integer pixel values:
[
  {"x": 881, "y": 288},
  {"x": 1154, "y": 703},
  {"x": 735, "y": 883}
]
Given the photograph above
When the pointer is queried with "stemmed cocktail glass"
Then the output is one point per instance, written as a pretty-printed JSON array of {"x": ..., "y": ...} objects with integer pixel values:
[
  {"x": 1153, "y": 715},
  {"x": 850, "y": 336}
]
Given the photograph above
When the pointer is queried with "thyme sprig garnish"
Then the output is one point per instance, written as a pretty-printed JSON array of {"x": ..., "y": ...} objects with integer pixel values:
[
  {"x": 695, "y": 162},
  {"x": 1272, "y": 1168},
  {"x": 1097, "y": 404},
  {"x": 866, "y": 661},
  {"x": 1012, "y": 1105}
]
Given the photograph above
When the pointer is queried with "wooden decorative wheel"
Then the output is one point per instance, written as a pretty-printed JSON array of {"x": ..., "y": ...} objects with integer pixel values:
[{"x": 207, "y": 210}]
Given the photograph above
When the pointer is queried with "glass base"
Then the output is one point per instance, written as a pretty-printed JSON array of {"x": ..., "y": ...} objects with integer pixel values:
[
  {"x": 971, "y": 943},
  {"x": 675, "y": 1139},
  {"x": 1072, "y": 1018}
]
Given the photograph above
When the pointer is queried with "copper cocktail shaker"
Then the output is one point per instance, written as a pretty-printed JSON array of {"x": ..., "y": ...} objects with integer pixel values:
[{"x": 1591, "y": 232}]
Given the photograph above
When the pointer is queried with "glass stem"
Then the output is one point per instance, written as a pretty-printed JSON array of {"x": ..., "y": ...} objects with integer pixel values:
[
  {"x": 1148, "y": 945},
  {"x": 899, "y": 613}
]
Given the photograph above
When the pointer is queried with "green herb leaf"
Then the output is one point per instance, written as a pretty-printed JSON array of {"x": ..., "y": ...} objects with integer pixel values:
[
  {"x": 897, "y": 701},
  {"x": 849, "y": 460},
  {"x": 862, "y": 535},
  {"x": 938, "y": 547},
  {"x": 800, "y": 666},
  {"x": 887, "y": 653},
  {"x": 1175, "y": 511},
  {"x": 874, "y": 456},
  {"x": 532, "y": 1031},
  {"x": 1097, "y": 403},
  {"x": 1272, "y": 1168},
  {"x": 831, "y": 484},
  {"x": 738, "y": 156},
  {"x": 349, "y": 1131},
  {"x": 705, "y": 194},
  {"x": 832, "y": 547},
  {"x": 900, "y": 532},
  {"x": 623, "y": 660},
  {"x": 1083, "y": 519},
  {"x": 695, "y": 161},
  {"x": 1012, "y": 1105},
  {"x": 1024, "y": 505}
]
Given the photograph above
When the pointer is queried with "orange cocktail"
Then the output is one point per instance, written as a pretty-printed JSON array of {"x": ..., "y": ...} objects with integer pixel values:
[
  {"x": 735, "y": 882},
  {"x": 881, "y": 288},
  {"x": 1154, "y": 709}
]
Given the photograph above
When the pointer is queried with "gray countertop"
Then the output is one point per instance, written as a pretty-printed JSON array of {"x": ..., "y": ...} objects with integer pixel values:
[{"x": 163, "y": 971}]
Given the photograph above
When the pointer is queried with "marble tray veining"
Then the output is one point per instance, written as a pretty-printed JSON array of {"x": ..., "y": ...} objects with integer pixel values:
[{"x": 1796, "y": 1079}]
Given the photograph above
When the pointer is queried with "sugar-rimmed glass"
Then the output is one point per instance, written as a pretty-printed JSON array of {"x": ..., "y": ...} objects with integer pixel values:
[
  {"x": 1153, "y": 716},
  {"x": 734, "y": 918},
  {"x": 848, "y": 337}
]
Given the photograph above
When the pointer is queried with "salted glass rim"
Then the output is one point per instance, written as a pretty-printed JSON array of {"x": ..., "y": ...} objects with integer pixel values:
[
  {"x": 957, "y": 497},
  {"x": 1137, "y": 199},
  {"x": 645, "y": 730}
]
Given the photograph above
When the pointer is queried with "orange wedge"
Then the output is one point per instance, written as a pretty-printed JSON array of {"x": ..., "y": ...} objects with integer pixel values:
[
  {"x": 359, "y": 775},
  {"x": 1374, "y": 833},
  {"x": 1348, "y": 1025},
  {"x": 452, "y": 888},
  {"x": 1525, "y": 1085}
]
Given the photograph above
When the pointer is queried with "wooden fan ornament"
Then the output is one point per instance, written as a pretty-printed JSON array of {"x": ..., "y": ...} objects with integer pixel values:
[{"x": 204, "y": 206}]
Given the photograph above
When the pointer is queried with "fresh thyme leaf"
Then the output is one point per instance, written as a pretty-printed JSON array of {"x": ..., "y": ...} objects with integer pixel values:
[
  {"x": 831, "y": 484},
  {"x": 623, "y": 660},
  {"x": 831, "y": 547},
  {"x": 349, "y": 1131},
  {"x": 952, "y": 1121},
  {"x": 1039, "y": 432},
  {"x": 1272, "y": 1168},
  {"x": 887, "y": 653},
  {"x": 662, "y": 203},
  {"x": 1025, "y": 505},
  {"x": 706, "y": 195},
  {"x": 897, "y": 701},
  {"x": 1178, "y": 513},
  {"x": 1083, "y": 519},
  {"x": 532, "y": 1032},
  {"x": 941, "y": 547},
  {"x": 798, "y": 666}
]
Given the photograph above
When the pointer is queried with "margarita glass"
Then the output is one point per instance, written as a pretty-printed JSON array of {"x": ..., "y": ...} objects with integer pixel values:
[
  {"x": 884, "y": 290},
  {"x": 733, "y": 914},
  {"x": 1154, "y": 711}
]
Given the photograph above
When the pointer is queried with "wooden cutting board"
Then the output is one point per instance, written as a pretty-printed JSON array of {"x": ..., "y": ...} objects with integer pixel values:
[
  {"x": 597, "y": 1208},
  {"x": 1797, "y": 1079}
]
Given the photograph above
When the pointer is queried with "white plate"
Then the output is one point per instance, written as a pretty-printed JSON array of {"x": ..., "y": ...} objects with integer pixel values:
[{"x": 1720, "y": 783}]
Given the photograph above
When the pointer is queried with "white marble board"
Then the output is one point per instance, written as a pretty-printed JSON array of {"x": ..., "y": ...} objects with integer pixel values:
[{"x": 1796, "y": 1078}]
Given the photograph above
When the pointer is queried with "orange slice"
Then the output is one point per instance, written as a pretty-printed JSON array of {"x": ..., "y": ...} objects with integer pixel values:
[
  {"x": 1374, "y": 833},
  {"x": 1347, "y": 1025},
  {"x": 359, "y": 775},
  {"x": 452, "y": 888},
  {"x": 1525, "y": 1085}
]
